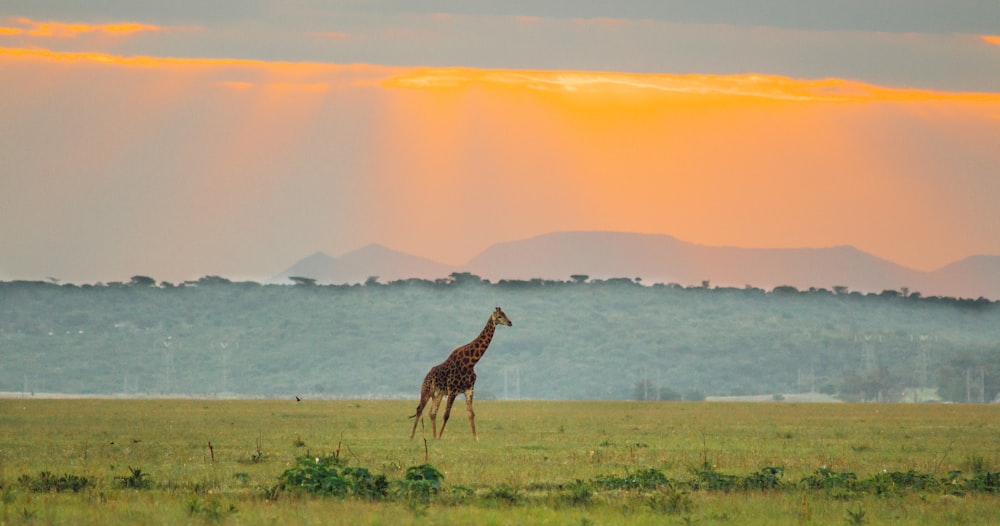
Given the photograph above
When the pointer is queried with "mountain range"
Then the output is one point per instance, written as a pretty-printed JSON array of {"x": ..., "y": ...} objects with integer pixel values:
[{"x": 658, "y": 258}]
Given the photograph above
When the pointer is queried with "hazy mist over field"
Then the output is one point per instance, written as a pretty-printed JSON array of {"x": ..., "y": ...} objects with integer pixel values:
[{"x": 571, "y": 339}]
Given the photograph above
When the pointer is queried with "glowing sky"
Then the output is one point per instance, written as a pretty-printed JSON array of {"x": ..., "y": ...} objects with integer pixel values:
[{"x": 235, "y": 138}]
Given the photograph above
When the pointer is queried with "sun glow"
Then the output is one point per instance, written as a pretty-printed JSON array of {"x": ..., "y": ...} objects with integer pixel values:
[
  {"x": 705, "y": 87},
  {"x": 758, "y": 160}
]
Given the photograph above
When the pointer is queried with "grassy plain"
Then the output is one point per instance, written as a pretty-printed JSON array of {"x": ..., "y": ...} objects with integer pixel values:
[{"x": 528, "y": 454}]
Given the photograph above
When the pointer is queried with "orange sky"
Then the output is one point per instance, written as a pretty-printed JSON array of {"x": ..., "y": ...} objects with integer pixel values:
[
  {"x": 255, "y": 164},
  {"x": 724, "y": 160}
]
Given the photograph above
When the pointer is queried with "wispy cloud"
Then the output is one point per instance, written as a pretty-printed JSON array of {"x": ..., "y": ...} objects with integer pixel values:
[
  {"x": 237, "y": 74},
  {"x": 992, "y": 39},
  {"x": 745, "y": 86},
  {"x": 57, "y": 29}
]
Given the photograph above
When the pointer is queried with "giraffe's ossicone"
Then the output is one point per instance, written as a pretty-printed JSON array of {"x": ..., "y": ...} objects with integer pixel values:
[{"x": 456, "y": 375}]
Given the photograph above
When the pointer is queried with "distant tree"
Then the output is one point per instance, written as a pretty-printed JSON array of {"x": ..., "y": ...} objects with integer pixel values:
[
  {"x": 644, "y": 390},
  {"x": 875, "y": 385},
  {"x": 695, "y": 395},
  {"x": 213, "y": 280},
  {"x": 466, "y": 278},
  {"x": 142, "y": 281},
  {"x": 372, "y": 281},
  {"x": 840, "y": 290},
  {"x": 739, "y": 390},
  {"x": 579, "y": 278},
  {"x": 968, "y": 378},
  {"x": 785, "y": 289},
  {"x": 306, "y": 282},
  {"x": 951, "y": 383},
  {"x": 667, "y": 393}
]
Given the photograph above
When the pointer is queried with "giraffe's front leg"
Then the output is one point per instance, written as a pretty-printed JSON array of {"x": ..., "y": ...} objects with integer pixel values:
[
  {"x": 447, "y": 410},
  {"x": 435, "y": 404},
  {"x": 472, "y": 414}
]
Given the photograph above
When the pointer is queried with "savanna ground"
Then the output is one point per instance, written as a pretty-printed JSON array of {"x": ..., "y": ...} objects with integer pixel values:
[{"x": 149, "y": 462}]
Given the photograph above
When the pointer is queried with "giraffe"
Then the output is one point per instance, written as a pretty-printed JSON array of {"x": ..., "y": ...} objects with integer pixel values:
[{"x": 456, "y": 375}]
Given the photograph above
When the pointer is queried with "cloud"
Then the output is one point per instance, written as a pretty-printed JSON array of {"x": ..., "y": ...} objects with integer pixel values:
[
  {"x": 56, "y": 29},
  {"x": 760, "y": 86},
  {"x": 991, "y": 39},
  {"x": 243, "y": 73}
]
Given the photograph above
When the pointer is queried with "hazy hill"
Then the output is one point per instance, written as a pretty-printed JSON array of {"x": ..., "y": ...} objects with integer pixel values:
[
  {"x": 369, "y": 261},
  {"x": 665, "y": 259},
  {"x": 971, "y": 277}
]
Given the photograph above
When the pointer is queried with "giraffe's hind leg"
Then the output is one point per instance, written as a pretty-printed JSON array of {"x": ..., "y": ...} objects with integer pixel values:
[
  {"x": 418, "y": 416},
  {"x": 426, "y": 391},
  {"x": 435, "y": 404},
  {"x": 472, "y": 414}
]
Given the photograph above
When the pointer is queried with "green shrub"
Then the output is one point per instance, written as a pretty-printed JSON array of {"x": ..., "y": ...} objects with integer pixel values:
[
  {"x": 318, "y": 475},
  {"x": 650, "y": 478},
  {"x": 505, "y": 494},
  {"x": 578, "y": 493},
  {"x": 891, "y": 482},
  {"x": 421, "y": 483},
  {"x": 46, "y": 482},
  {"x": 708, "y": 478},
  {"x": 364, "y": 484},
  {"x": 987, "y": 482},
  {"x": 314, "y": 475},
  {"x": 136, "y": 479},
  {"x": 766, "y": 478},
  {"x": 825, "y": 478}
]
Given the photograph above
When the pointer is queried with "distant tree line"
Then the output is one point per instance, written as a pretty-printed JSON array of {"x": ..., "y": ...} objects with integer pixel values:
[{"x": 575, "y": 339}]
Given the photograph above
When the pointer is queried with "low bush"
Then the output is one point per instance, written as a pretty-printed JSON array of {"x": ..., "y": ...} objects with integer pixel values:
[
  {"x": 420, "y": 483},
  {"x": 46, "y": 482},
  {"x": 136, "y": 479},
  {"x": 649, "y": 478},
  {"x": 326, "y": 476}
]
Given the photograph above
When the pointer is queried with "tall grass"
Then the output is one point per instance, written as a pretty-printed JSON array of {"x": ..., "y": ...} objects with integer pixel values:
[{"x": 149, "y": 461}]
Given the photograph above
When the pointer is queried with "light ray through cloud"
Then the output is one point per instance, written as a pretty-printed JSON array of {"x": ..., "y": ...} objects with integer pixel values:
[{"x": 189, "y": 152}]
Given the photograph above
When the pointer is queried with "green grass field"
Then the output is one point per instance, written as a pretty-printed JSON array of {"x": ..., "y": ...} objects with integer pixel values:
[{"x": 149, "y": 462}]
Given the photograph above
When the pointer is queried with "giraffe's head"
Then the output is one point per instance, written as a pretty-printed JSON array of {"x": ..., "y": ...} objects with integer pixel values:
[{"x": 499, "y": 318}]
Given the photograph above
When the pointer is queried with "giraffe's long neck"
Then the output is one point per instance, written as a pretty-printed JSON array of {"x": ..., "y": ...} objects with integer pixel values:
[{"x": 478, "y": 346}]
